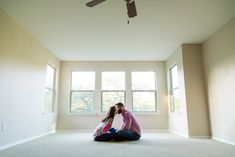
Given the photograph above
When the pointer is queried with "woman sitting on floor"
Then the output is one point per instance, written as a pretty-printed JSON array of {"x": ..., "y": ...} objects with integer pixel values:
[{"x": 103, "y": 131}]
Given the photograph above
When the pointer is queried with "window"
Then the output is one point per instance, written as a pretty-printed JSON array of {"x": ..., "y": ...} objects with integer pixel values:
[
  {"x": 143, "y": 91},
  {"x": 174, "y": 91},
  {"x": 49, "y": 90},
  {"x": 113, "y": 89},
  {"x": 82, "y": 91}
]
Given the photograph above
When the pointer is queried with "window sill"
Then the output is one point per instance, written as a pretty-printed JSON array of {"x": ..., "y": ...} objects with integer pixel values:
[
  {"x": 135, "y": 113},
  {"x": 104, "y": 113},
  {"x": 49, "y": 114},
  {"x": 146, "y": 113},
  {"x": 82, "y": 114}
]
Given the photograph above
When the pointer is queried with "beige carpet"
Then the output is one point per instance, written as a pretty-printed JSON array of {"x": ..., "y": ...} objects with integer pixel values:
[{"x": 151, "y": 145}]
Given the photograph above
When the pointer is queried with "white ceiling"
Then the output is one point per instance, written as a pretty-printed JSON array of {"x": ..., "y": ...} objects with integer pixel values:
[{"x": 74, "y": 32}]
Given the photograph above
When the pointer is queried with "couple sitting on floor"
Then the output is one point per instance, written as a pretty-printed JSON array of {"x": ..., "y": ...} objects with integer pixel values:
[{"x": 130, "y": 128}]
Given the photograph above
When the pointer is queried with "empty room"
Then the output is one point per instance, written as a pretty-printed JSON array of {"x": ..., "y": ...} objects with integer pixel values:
[{"x": 119, "y": 78}]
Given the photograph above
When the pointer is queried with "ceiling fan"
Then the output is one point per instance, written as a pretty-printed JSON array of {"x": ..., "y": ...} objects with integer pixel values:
[{"x": 130, "y": 4}]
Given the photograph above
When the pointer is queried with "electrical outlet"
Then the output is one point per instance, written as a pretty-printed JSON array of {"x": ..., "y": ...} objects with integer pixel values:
[{"x": 4, "y": 126}]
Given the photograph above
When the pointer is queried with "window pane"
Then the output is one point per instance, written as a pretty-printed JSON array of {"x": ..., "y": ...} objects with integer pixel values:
[
  {"x": 82, "y": 101},
  {"x": 83, "y": 80},
  {"x": 144, "y": 101},
  {"x": 176, "y": 100},
  {"x": 113, "y": 80},
  {"x": 111, "y": 98},
  {"x": 50, "y": 77},
  {"x": 174, "y": 77},
  {"x": 143, "y": 80},
  {"x": 48, "y": 102}
]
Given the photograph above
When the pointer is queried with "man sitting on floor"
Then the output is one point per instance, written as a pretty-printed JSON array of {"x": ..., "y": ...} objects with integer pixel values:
[{"x": 130, "y": 128}]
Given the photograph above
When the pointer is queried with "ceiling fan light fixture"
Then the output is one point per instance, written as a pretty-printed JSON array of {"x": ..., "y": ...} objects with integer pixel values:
[
  {"x": 130, "y": 4},
  {"x": 131, "y": 9}
]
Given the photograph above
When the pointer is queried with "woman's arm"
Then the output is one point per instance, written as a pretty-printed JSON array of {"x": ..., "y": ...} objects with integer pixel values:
[{"x": 107, "y": 125}]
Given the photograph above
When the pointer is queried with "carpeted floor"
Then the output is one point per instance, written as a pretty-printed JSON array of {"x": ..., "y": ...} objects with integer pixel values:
[{"x": 150, "y": 145}]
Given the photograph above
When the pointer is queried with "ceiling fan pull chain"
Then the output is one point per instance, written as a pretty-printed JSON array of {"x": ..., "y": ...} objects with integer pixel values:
[{"x": 128, "y": 20}]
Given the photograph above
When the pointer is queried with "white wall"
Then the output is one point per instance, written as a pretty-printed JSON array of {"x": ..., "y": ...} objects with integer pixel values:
[
  {"x": 76, "y": 122},
  {"x": 219, "y": 62},
  {"x": 178, "y": 122},
  {"x": 23, "y": 62}
]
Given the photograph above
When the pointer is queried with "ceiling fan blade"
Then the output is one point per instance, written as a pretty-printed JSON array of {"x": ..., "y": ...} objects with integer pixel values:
[
  {"x": 131, "y": 9},
  {"x": 94, "y": 3}
]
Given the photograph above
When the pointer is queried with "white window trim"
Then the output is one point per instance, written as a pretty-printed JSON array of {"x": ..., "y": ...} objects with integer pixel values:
[
  {"x": 97, "y": 105},
  {"x": 102, "y": 91},
  {"x": 101, "y": 112},
  {"x": 150, "y": 112},
  {"x": 52, "y": 112},
  {"x": 156, "y": 112},
  {"x": 172, "y": 105},
  {"x": 70, "y": 95}
]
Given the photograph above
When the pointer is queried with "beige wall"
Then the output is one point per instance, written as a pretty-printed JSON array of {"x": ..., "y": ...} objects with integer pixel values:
[
  {"x": 178, "y": 122},
  {"x": 68, "y": 121},
  {"x": 23, "y": 63},
  {"x": 197, "y": 107},
  {"x": 219, "y": 62},
  {"x": 193, "y": 119}
]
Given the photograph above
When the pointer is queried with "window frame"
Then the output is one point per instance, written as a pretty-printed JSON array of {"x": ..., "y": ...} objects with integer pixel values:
[
  {"x": 71, "y": 91},
  {"x": 138, "y": 90},
  {"x": 172, "y": 102},
  {"x": 105, "y": 90},
  {"x": 102, "y": 91},
  {"x": 53, "y": 90}
]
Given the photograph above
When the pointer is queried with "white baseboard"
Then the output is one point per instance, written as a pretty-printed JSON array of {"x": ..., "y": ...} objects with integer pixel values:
[
  {"x": 25, "y": 140},
  {"x": 200, "y": 137},
  {"x": 187, "y": 136},
  {"x": 178, "y": 134},
  {"x": 223, "y": 141}
]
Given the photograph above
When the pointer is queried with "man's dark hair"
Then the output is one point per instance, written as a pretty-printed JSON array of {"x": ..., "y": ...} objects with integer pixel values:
[{"x": 119, "y": 104}]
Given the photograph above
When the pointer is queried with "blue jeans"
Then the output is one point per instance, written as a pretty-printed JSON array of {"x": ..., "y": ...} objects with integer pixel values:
[
  {"x": 107, "y": 136},
  {"x": 127, "y": 135}
]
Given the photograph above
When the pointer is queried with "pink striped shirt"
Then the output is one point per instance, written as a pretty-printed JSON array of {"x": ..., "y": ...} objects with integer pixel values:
[
  {"x": 129, "y": 122},
  {"x": 103, "y": 127}
]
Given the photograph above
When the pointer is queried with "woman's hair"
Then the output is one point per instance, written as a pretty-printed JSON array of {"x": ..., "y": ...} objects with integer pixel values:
[{"x": 110, "y": 114}]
